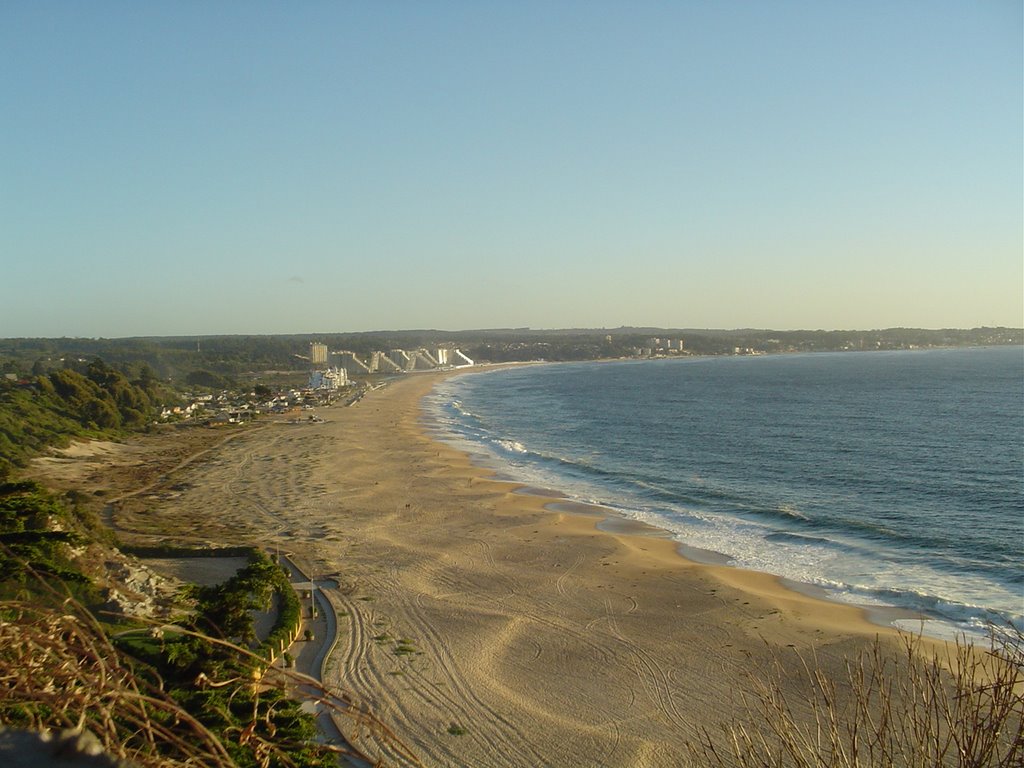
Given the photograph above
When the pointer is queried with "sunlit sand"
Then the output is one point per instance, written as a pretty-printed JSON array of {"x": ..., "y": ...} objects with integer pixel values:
[{"x": 480, "y": 626}]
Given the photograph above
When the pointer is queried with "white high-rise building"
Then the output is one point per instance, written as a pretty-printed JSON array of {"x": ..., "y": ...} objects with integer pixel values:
[{"x": 318, "y": 353}]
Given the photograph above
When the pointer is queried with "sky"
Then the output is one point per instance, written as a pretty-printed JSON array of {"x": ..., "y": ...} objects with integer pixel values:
[{"x": 189, "y": 168}]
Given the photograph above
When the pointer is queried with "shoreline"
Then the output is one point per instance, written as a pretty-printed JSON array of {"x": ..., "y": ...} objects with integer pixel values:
[
  {"x": 836, "y": 630},
  {"x": 484, "y": 628},
  {"x": 881, "y": 616}
]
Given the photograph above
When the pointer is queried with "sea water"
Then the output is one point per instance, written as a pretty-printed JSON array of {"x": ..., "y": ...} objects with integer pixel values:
[{"x": 883, "y": 478}]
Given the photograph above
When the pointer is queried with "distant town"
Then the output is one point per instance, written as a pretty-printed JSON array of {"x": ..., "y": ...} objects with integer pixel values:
[
  {"x": 55, "y": 389},
  {"x": 214, "y": 360}
]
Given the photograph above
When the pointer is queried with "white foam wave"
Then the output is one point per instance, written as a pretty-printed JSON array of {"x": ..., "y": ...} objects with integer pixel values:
[
  {"x": 790, "y": 511},
  {"x": 846, "y": 573},
  {"x": 513, "y": 446}
]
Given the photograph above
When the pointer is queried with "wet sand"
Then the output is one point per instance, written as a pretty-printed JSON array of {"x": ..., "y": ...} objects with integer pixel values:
[{"x": 481, "y": 627}]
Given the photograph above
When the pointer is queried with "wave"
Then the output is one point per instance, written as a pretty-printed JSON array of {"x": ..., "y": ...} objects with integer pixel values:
[
  {"x": 512, "y": 446},
  {"x": 845, "y": 528},
  {"x": 793, "y": 513},
  {"x": 460, "y": 411},
  {"x": 797, "y": 538},
  {"x": 976, "y": 618}
]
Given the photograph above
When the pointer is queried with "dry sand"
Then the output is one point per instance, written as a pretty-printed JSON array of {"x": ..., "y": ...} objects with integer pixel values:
[
  {"x": 481, "y": 628},
  {"x": 111, "y": 470}
]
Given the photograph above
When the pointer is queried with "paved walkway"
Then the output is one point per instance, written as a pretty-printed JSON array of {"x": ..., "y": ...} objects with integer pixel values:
[{"x": 310, "y": 656}]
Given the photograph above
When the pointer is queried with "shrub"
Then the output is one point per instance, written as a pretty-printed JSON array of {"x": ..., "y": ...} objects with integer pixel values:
[{"x": 915, "y": 708}]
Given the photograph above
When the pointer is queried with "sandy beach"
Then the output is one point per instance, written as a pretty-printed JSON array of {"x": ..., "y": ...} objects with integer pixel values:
[{"x": 481, "y": 627}]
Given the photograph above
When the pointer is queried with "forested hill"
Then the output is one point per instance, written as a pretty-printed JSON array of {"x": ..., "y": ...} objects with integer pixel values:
[
  {"x": 49, "y": 409},
  {"x": 175, "y": 357}
]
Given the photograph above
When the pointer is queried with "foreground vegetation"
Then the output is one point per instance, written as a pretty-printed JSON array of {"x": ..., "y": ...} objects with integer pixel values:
[
  {"x": 37, "y": 531},
  {"x": 225, "y": 708},
  {"x": 215, "y": 668},
  {"x": 917, "y": 709},
  {"x": 199, "y": 691},
  {"x": 225, "y": 612}
]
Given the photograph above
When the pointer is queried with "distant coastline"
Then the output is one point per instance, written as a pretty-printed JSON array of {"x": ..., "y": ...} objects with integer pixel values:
[
  {"x": 173, "y": 357},
  {"x": 696, "y": 424}
]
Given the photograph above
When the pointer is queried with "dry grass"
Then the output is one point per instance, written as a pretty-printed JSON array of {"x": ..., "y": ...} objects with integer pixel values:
[
  {"x": 58, "y": 670},
  {"x": 913, "y": 708}
]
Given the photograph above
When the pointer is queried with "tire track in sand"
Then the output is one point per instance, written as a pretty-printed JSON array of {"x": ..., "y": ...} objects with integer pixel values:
[
  {"x": 354, "y": 669},
  {"x": 651, "y": 673},
  {"x": 560, "y": 581},
  {"x": 507, "y": 740},
  {"x": 452, "y": 690}
]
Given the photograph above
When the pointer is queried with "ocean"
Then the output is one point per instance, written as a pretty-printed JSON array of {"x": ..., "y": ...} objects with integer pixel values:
[{"x": 877, "y": 478}]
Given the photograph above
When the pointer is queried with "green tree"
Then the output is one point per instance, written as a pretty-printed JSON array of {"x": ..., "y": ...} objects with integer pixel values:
[
  {"x": 102, "y": 413},
  {"x": 209, "y": 379}
]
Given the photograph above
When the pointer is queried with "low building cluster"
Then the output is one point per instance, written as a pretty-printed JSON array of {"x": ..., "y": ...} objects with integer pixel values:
[
  {"x": 331, "y": 379},
  {"x": 226, "y": 407},
  {"x": 658, "y": 347}
]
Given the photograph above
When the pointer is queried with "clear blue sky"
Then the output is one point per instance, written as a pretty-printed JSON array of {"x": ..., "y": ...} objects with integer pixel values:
[{"x": 254, "y": 167}]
